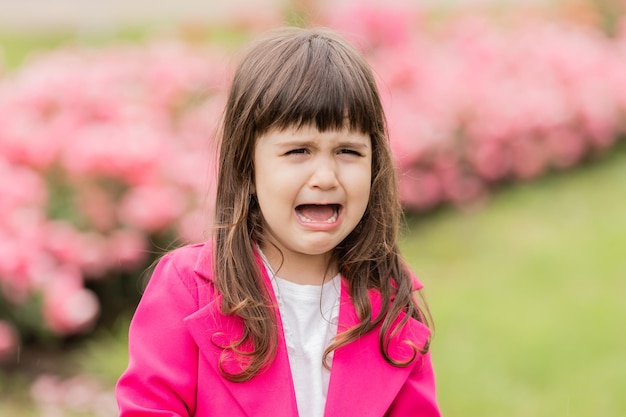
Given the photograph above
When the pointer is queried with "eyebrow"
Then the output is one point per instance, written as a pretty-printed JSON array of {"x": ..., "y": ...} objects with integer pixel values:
[
  {"x": 304, "y": 143},
  {"x": 350, "y": 144}
]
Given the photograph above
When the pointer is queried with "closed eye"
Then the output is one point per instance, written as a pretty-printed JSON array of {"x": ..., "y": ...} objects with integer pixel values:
[
  {"x": 350, "y": 152},
  {"x": 297, "y": 151}
]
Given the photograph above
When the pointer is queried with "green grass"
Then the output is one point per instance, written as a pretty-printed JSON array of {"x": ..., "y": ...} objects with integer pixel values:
[
  {"x": 17, "y": 48},
  {"x": 527, "y": 297}
]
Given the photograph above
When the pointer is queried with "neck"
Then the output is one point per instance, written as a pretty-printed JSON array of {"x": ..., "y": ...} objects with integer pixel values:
[{"x": 300, "y": 268}]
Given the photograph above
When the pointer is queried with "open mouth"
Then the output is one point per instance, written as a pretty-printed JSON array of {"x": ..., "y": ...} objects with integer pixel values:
[{"x": 318, "y": 213}]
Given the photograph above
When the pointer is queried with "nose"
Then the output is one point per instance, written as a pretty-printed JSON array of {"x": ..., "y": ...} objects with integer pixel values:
[{"x": 324, "y": 174}]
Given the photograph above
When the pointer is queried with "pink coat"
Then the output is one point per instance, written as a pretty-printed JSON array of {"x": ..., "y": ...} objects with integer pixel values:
[{"x": 173, "y": 369}]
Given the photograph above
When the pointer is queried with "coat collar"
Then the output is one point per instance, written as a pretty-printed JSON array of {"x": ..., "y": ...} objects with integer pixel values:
[{"x": 362, "y": 383}]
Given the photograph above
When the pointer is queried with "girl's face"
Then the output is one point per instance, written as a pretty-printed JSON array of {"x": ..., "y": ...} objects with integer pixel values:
[{"x": 313, "y": 188}]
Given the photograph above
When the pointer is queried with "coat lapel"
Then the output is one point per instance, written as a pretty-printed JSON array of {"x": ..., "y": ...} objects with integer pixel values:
[
  {"x": 362, "y": 383},
  {"x": 271, "y": 392}
]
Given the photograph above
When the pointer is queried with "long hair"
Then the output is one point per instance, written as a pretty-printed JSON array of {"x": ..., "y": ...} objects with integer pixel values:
[{"x": 295, "y": 78}]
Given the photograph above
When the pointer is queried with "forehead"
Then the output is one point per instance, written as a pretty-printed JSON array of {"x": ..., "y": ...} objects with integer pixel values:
[{"x": 310, "y": 135}]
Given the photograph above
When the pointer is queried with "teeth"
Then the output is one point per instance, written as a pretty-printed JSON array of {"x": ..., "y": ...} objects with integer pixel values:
[{"x": 304, "y": 219}]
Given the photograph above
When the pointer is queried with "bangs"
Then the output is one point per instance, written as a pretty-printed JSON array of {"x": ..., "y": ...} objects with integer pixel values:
[{"x": 315, "y": 83}]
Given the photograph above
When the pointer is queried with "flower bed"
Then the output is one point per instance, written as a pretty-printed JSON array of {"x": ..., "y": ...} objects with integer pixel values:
[
  {"x": 472, "y": 105},
  {"x": 104, "y": 151}
]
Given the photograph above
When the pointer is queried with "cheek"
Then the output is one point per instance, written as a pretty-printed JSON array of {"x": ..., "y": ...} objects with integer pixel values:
[
  {"x": 362, "y": 193},
  {"x": 367, "y": 183},
  {"x": 367, "y": 190},
  {"x": 366, "y": 197}
]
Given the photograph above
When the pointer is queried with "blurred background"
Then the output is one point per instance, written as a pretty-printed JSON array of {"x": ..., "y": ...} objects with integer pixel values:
[{"x": 507, "y": 120}]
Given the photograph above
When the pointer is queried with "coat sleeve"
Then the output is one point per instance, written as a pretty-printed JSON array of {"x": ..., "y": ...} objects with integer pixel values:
[{"x": 161, "y": 378}]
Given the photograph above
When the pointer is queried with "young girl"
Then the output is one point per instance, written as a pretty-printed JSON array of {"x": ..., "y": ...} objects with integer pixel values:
[{"x": 300, "y": 305}]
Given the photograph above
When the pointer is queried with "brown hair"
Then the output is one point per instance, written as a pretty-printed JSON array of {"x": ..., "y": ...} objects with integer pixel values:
[{"x": 299, "y": 77}]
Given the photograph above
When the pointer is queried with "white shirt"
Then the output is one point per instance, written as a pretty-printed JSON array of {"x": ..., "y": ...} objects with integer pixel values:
[{"x": 310, "y": 315}]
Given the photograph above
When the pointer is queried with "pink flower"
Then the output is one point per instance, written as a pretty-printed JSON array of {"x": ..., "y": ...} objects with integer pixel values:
[
  {"x": 490, "y": 160},
  {"x": 9, "y": 341},
  {"x": 93, "y": 260},
  {"x": 127, "y": 249},
  {"x": 458, "y": 186},
  {"x": 565, "y": 146},
  {"x": 374, "y": 25},
  {"x": 420, "y": 189},
  {"x": 21, "y": 187},
  {"x": 195, "y": 225},
  {"x": 529, "y": 158},
  {"x": 152, "y": 207},
  {"x": 129, "y": 152},
  {"x": 97, "y": 205},
  {"x": 23, "y": 138},
  {"x": 63, "y": 241},
  {"x": 68, "y": 308}
]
